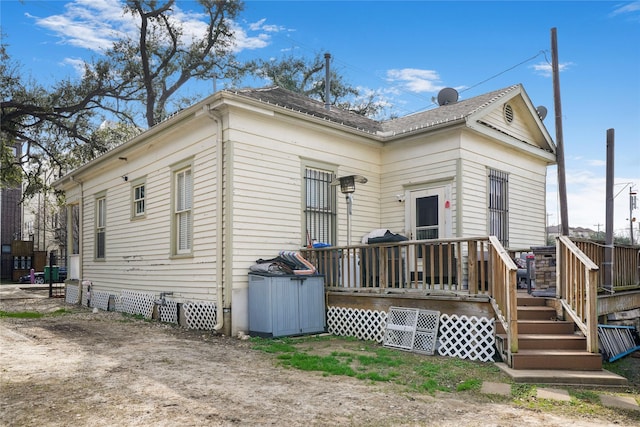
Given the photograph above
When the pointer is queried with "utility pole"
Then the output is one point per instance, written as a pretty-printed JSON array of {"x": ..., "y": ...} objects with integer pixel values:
[
  {"x": 598, "y": 232},
  {"x": 562, "y": 183},
  {"x": 608, "y": 243},
  {"x": 632, "y": 206}
]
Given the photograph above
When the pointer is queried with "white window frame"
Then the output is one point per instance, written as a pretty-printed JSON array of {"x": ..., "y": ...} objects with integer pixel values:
[
  {"x": 319, "y": 203},
  {"x": 182, "y": 209},
  {"x": 138, "y": 202},
  {"x": 100, "y": 247}
]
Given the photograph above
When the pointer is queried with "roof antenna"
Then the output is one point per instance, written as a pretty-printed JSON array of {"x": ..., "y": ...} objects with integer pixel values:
[{"x": 327, "y": 82}]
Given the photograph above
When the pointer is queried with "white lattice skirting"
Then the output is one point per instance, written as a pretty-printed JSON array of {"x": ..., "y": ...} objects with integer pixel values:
[
  {"x": 197, "y": 315},
  {"x": 458, "y": 336},
  {"x": 467, "y": 337},
  {"x": 169, "y": 312},
  {"x": 100, "y": 300},
  {"x": 200, "y": 315},
  {"x": 72, "y": 294},
  {"x": 138, "y": 303},
  {"x": 352, "y": 322}
]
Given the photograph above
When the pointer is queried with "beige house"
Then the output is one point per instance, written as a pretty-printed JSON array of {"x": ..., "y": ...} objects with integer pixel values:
[{"x": 183, "y": 210}]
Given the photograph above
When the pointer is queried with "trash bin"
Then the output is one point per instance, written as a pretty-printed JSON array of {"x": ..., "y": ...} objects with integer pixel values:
[{"x": 53, "y": 272}]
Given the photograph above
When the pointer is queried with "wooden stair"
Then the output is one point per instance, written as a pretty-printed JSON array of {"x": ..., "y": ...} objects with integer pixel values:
[{"x": 544, "y": 342}]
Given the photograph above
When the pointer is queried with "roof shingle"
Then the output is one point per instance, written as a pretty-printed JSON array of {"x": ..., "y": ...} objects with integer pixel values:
[{"x": 449, "y": 113}]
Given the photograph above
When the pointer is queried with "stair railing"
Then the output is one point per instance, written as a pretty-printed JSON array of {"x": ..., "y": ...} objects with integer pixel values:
[
  {"x": 504, "y": 292},
  {"x": 577, "y": 288}
]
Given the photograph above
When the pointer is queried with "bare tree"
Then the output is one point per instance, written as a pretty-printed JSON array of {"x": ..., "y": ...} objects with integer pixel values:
[{"x": 166, "y": 55}]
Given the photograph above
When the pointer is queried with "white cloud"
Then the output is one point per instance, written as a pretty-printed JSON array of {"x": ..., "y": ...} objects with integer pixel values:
[
  {"x": 243, "y": 41},
  {"x": 545, "y": 69},
  {"x": 415, "y": 80},
  {"x": 261, "y": 26},
  {"x": 77, "y": 64},
  {"x": 627, "y": 9},
  {"x": 96, "y": 24},
  {"x": 89, "y": 24}
]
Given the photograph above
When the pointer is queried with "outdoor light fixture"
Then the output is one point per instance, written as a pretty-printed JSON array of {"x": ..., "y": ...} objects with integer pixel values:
[
  {"x": 348, "y": 183},
  {"x": 348, "y": 187}
]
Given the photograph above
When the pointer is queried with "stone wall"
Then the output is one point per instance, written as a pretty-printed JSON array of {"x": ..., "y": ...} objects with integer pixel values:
[{"x": 545, "y": 262}]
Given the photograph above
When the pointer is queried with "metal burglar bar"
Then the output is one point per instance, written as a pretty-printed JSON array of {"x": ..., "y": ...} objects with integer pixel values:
[
  {"x": 320, "y": 211},
  {"x": 499, "y": 206}
]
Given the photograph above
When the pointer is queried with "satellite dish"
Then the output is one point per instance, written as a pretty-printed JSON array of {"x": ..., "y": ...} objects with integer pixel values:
[
  {"x": 542, "y": 112},
  {"x": 448, "y": 95}
]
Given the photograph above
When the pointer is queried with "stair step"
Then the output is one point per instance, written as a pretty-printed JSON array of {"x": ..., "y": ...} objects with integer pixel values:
[
  {"x": 571, "y": 360},
  {"x": 544, "y": 327},
  {"x": 536, "y": 313},
  {"x": 528, "y": 300},
  {"x": 549, "y": 341}
]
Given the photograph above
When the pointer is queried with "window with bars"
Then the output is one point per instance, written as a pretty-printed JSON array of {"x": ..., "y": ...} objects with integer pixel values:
[
  {"x": 320, "y": 205},
  {"x": 499, "y": 206},
  {"x": 101, "y": 227},
  {"x": 183, "y": 215}
]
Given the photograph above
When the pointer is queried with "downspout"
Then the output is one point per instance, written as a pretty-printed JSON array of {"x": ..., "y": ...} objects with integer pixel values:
[{"x": 215, "y": 116}]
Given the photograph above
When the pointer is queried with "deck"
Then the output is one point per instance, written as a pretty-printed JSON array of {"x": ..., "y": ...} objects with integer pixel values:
[{"x": 478, "y": 277}]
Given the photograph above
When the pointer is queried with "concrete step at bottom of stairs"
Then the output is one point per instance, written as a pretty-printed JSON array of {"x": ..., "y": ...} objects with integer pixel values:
[
  {"x": 571, "y": 360},
  {"x": 599, "y": 378}
]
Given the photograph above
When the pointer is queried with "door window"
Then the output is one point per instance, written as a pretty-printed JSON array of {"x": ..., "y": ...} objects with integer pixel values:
[{"x": 427, "y": 223}]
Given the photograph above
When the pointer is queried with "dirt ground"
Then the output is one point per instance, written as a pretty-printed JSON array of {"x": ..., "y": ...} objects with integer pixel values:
[{"x": 103, "y": 369}]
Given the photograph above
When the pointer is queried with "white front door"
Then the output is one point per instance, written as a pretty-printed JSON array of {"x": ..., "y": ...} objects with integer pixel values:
[{"x": 427, "y": 213}]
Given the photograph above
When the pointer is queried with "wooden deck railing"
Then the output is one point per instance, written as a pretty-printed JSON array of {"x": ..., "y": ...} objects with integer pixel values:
[
  {"x": 577, "y": 287},
  {"x": 471, "y": 267},
  {"x": 505, "y": 298},
  {"x": 626, "y": 263}
]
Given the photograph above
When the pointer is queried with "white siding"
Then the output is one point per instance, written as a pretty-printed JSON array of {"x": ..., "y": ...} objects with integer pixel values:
[
  {"x": 264, "y": 156},
  {"x": 138, "y": 251},
  {"x": 527, "y": 177},
  {"x": 418, "y": 163},
  {"x": 268, "y": 158}
]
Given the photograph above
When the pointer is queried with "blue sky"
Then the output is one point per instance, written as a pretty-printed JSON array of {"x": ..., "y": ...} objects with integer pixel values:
[{"x": 406, "y": 52}]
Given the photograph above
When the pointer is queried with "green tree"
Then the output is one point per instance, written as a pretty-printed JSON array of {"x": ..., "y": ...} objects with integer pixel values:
[
  {"x": 308, "y": 77},
  {"x": 59, "y": 126},
  {"x": 48, "y": 123}
]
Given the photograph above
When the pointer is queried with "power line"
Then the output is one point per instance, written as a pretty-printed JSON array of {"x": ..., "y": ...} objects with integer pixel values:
[
  {"x": 542, "y": 52},
  {"x": 428, "y": 100}
]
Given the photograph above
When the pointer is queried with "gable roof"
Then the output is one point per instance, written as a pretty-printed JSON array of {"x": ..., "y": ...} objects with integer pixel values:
[
  {"x": 468, "y": 110},
  {"x": 450, "y": 113}
]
